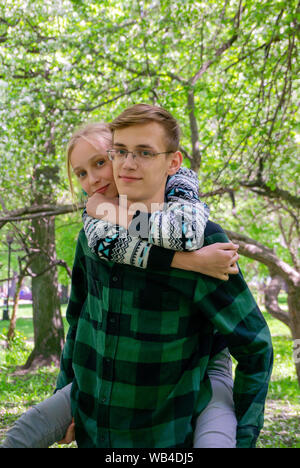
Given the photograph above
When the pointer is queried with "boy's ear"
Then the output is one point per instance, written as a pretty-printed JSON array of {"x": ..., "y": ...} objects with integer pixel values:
[{"x": 175, "y": 161}]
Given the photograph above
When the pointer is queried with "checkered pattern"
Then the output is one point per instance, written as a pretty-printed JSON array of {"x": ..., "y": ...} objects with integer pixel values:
[{"x": 139, "y": 344}]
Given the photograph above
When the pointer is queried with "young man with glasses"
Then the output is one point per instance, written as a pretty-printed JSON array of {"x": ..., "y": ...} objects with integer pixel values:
[{"x": 145, "y": 382}]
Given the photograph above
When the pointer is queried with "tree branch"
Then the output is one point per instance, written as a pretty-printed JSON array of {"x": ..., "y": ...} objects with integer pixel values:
[
  {"x": 207, "y": 64},
  {"x": 252, "y": 249},
  {"x": 271, "y": 299},
  {"x": 220, "y": 191},
  {"x": 260, "y": 187},
  {"x": 196, "y": 154},
  {"x": 38, "y": 211},
  {"x": 103, "y": 103}
]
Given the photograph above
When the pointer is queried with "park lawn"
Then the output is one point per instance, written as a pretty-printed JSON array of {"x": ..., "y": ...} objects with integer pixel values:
[{"x": 19, "y": 390}]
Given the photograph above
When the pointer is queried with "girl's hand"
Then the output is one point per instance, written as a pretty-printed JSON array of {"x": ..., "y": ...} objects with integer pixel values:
[
  {"x": 108, "y": 209},
  {"x": 101, "y": 207},
  {"x": 216, "y": 260},
  {"x": 70, "y": 434}
]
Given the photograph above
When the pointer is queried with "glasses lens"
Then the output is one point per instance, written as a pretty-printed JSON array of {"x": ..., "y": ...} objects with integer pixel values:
[
  {"x": 145, "y": 154},
  {"x": 120, "y": 154}
]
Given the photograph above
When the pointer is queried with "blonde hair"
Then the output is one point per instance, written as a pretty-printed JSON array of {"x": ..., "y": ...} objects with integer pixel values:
[
  {"x": 144, "y": 113},
  {"x": 90, "y": 132}
]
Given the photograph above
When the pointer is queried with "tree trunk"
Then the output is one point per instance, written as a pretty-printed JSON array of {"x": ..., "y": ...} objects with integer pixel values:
[
  {"x": 278, "y": 269},
  {"x": 294, "y": 314},
  {"x": 196, "y": 154},
  {"x": 12, "y": 324},
  {"x": 47, "y": 320}
]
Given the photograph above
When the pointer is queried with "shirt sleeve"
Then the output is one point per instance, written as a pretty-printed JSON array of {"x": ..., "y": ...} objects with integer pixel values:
[
  {"x": 230, "y": 306},
  {"x": 77, "y": 299}
]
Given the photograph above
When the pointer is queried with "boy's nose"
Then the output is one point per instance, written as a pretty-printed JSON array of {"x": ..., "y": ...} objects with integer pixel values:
[{"x": 129, "y": 162}]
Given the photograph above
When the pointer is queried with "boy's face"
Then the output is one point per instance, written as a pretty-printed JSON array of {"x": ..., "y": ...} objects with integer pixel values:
[{"x": 144, "y": 181}]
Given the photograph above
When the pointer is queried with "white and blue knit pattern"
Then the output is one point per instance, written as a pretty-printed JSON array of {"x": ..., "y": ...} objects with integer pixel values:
[
  {"x": 179, "y": 226},
  {"x": 113, "y": 242},
  {"x": 184, "y": 185}
]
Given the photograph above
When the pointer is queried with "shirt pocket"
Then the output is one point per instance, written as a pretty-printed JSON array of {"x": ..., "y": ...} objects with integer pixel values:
[{"x": 93, "y": 306}]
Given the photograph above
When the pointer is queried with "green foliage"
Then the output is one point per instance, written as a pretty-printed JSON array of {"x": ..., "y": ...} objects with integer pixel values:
[
  {"x": 71, "y": 67},
  {"x": 67, "y": 230},
  {"x": 18, "y": 349}
]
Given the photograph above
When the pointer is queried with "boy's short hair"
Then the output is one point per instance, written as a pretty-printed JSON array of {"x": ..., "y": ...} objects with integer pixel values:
[{"x": 140, "y": 114}]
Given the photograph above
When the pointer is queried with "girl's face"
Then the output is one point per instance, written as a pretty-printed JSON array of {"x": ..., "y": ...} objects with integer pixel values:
[{"x": 92, "y": 167}]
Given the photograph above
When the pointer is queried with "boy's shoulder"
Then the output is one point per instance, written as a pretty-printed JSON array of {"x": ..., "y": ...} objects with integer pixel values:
[
  {"x": 82, "y": 246},
  {"x": 214, "y": 233},
  {"x": 212, "y": 228},
  {"x": 81, "y": 239}
]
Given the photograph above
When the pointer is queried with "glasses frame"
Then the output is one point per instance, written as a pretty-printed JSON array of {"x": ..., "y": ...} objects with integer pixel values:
[{"x": 139, "y": 157}]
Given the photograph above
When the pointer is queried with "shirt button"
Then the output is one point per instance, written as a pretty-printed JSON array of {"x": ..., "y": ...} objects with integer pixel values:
[
  {"x": 115, "y": 279},
  {"x": 103, "y": 399}
]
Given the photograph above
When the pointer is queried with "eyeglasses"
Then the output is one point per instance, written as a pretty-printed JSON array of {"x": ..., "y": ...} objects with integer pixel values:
[{"x": 139, "y": 155}]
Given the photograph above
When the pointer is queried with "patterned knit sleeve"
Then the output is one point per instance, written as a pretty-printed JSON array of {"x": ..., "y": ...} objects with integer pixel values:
[
  {"x": 181, "y": 224},
  {"x": 114, "y": 243},
  {"x": 183, "y": 185},
  {"x": 178, "y": 226}
]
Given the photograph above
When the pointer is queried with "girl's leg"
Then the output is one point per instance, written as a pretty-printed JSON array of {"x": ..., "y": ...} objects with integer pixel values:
[
  {"x": 43, "y": 424},
  {"x": 216, "y": 425}
]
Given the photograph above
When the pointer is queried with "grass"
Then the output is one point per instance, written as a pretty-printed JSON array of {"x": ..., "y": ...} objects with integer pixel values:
[{"x": 19, "y": 391}]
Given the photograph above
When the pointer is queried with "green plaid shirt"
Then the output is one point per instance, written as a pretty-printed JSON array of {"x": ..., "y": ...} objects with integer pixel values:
[{"x": 139, "y": 344}]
